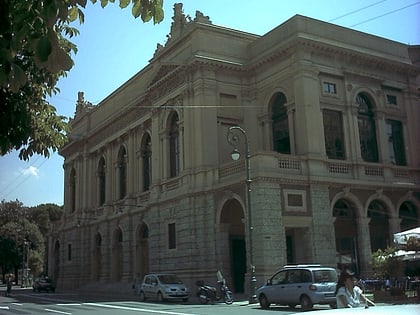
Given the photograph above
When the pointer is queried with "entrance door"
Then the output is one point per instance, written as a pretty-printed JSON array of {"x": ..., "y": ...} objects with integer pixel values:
[{"x": 238, "y": 271}]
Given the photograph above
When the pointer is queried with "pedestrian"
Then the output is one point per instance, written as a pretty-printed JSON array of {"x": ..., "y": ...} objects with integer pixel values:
[
  {"x": 8, "y": 285},
  {"x": 348, "y": 294},
  {"x": 137, "y": 284}
]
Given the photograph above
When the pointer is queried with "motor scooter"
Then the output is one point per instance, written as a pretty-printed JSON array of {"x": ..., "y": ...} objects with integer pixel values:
[{"x": 207, "y": 293}]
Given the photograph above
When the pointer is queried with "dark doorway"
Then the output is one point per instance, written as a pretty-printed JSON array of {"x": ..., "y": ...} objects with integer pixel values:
[
  {"x": 290, "y": 248},
  {"x": 238, "y": 260}
]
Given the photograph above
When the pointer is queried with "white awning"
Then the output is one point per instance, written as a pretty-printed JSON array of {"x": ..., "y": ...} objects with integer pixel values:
[
  {"x": 401, "y": 238},
  {"x": 407, "y": 255}
]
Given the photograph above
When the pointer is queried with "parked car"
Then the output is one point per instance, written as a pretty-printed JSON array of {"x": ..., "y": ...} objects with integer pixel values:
[
  {"x": 43, "y": 284},
  {"x": 163, "y": 287},
  {"x": 300, "y": 284}
]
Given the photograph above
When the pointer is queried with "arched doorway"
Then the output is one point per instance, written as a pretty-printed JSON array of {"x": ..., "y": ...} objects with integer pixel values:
[
  {"x": 142, "y": 250},
  {"x": 117, "y": 255},
  {"x": 378, "y": 225},
  {"x": 97, "y": 257},
  {"x": 345, "y": 227},
  {"x": 232, "y": 228}
]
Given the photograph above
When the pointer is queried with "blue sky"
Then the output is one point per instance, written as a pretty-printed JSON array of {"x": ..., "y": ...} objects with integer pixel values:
[{"x": 113, "y": 46}]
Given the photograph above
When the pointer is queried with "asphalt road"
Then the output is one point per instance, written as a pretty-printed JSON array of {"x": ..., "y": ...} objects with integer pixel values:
[{"x": 24, "y": 301}]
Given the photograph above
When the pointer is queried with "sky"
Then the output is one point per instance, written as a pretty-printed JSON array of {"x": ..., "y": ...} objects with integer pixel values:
[{"x": 113, "y": 47}]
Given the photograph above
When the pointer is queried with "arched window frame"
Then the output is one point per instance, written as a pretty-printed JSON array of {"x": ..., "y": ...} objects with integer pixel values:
[
  {"x": 122, "y": 172},
  {"x": 146, "y": 154},
  {"x": 101, "y": 181},
  {"x": 367, "y": 129},
  {"x": 174, "y": 145}
]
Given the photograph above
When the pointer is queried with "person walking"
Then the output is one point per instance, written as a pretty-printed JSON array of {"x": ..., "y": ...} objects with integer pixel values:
[
  {"x": 348, "y": 294},
  {"x": 137, "y": 284},
  {"x": 8, "y": 285}
]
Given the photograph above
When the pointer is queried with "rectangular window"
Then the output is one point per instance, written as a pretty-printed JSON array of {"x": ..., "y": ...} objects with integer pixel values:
[
  {"x": 329, "y": 88},
  {"x": 295, "y": 200},
  {"x": 171, "y": 236},
  {"x": 69, "y": 252},
  {"x": 396, "y": 148},
  {"x": 391, "y": 99},
  {"x": 333, "y": 134}
]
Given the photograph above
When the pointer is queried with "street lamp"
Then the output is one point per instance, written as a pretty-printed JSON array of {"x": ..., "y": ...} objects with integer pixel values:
[{"x": 233, "y": 139}]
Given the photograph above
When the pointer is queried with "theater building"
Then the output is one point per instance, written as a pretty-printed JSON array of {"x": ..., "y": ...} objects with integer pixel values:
[{"x": 331, "y": 120}]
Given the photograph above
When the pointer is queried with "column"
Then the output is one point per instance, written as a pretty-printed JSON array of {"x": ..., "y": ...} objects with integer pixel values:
[{"x": 364, "y": 247}]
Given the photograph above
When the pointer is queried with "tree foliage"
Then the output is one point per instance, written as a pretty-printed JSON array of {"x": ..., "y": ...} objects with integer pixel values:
[
  {"x": 386, "y": 263},
  {"x": 35, "y": 51},
  {"x": 44, "y": 215},
  {"x": 24, "y": 229}
]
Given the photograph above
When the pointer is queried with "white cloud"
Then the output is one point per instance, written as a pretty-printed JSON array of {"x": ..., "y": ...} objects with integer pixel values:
[{"x": 31, "y": 171}]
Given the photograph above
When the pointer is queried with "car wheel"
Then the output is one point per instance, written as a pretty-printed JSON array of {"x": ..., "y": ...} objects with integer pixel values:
[
  {"x": 306, "y": 303},
  {"x": 263, "y": 301},
  {"x": 160, "y": 297},
  {"x": 142, "y": 296}
]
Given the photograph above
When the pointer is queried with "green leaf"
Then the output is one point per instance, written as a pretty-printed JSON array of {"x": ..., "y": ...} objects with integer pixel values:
[
  {"x": 159, "y": 15},
  {"x": 43, "y": 49},
  {"x": 17, "y": 77},
  {"x": 64, "y": 60},
  {"x": 73, "y": 13},
  {"x": 104, "y": 3},
  {"x": 124, "y": 3},
  {"x": 145, "y": 15},
  {"x": 81, "y": 17},
  {"x": 136, "y": 10},
  {"x": 82, "y": 3}
]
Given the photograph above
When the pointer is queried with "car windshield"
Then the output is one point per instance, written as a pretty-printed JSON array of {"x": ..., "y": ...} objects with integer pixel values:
[
  {"x": 169, "y": 279},
  {"x": 325, "y": 276}
]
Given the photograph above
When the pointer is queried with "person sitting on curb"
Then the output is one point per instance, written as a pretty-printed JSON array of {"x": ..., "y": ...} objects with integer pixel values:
[{"x": 348, "y": 294}]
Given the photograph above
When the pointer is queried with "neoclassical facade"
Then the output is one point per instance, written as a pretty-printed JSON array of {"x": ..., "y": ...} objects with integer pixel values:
[{"x": 331, "y": 118}]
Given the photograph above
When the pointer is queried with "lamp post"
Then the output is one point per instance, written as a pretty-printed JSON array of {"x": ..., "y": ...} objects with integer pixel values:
[
  {"x": 233, "y": 139},
  {"x": 24, "y": 263}
]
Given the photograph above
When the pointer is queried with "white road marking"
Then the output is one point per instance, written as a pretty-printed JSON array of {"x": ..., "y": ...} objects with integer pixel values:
[
  {"x": 55, "y": 311},
  {"x": 137, "y": 309}
]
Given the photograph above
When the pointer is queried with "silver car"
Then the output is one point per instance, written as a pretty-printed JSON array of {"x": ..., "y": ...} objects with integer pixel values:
[
  {"x": 300, "y": 284},
  {"x": 163, "y": 287}
]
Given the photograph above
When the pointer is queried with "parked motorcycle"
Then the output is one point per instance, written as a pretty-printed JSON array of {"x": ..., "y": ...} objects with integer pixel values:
[{"x": 207, "y": 293}]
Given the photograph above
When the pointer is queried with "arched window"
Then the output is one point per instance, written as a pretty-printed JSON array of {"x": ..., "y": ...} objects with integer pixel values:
[
  {"x": 174, "y": 150},
  {"x": 122, "y": 172},
  {"x": 367, "y": 130},
  {"x": 146, "y": 152},
  {"x": 101, "y": 182},
  {"x": 409, "y": 216},
  {"x": 72, "y": 190},
  {"x": 280, "y": 123}
]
